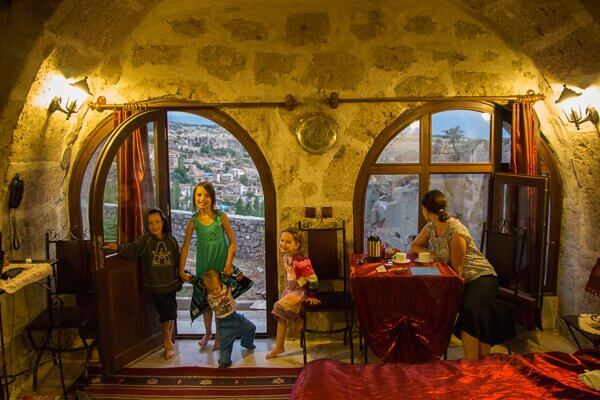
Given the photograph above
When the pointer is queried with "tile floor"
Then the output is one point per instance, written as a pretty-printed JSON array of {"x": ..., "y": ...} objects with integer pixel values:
[{"x": 189, "y": 355}]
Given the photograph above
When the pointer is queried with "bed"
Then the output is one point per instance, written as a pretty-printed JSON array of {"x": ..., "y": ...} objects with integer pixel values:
[{"x": 552, "y": 375}]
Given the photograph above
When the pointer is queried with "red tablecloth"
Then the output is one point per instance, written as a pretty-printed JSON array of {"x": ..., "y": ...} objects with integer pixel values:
[{"x": 405, "y": 318}]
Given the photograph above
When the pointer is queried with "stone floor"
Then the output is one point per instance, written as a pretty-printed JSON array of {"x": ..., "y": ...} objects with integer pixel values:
[{"x": 189, "y": 355}]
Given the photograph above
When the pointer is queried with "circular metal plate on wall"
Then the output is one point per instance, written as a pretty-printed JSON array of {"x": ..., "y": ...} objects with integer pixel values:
[{"x": 316, "y": 133}]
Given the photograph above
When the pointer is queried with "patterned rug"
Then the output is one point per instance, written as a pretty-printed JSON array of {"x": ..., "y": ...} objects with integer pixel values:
[{"x": 188, "y": 383}]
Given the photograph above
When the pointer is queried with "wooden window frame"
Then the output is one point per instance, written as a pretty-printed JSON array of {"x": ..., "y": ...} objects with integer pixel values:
[{"x": 425, "y": 167}]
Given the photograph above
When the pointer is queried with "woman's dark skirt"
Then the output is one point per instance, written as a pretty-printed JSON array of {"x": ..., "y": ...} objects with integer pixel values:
[{"x": 481, "y": 315}]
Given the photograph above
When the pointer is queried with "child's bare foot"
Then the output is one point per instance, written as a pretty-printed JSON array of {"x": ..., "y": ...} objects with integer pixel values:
[
  {"x": 275, "y": 352},
  {"x": 202, "y": 343},
  {"x": 169, "y": 353}
]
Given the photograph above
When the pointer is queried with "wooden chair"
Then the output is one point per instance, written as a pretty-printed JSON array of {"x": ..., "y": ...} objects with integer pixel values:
[
  {"x": 326, "y": 245},
  {"x": 73, "y": 275},
  {"x": 504, "y": 250}
]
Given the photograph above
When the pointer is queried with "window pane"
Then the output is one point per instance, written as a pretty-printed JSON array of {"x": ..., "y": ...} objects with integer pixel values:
[
  {"x": 111, "y": 199},
  {"x": 151, "y": 154},
  {"x": 392, "y": 209},
  {"x": 467, "y": 199},
  {"x": 506, "y": 142},
  {"x": 84, "y": 192},
  {"x": 460, "y": 136},
  {"x": 149, "y": 182},
  {"x": 403, "y": 148}
]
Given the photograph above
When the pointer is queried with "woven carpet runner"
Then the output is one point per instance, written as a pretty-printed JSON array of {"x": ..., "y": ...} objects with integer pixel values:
[{"x": 188, "y": 383}]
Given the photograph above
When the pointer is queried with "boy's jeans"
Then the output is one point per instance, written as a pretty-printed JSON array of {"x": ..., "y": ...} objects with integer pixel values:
[{"x": 230, "y": 328}]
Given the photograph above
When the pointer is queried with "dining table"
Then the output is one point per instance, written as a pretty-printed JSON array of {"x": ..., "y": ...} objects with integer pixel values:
[{"x": 406, "y": 311}]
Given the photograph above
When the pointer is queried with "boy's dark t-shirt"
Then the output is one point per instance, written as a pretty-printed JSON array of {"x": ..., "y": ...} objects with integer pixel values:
[{"x": 159, "y": 259}]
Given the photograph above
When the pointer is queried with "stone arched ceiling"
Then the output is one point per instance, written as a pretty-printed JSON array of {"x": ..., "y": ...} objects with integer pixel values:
[{"x": 562, "y": 37}]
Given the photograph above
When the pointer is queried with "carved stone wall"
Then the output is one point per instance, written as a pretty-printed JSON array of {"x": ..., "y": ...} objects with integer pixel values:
[{"x": 217, "y": 51}]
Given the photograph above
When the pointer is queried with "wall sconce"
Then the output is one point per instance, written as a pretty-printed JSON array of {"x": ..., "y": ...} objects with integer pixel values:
[
  {"x": 570, "y": 100},
  {"x": 75, "y": 95}
]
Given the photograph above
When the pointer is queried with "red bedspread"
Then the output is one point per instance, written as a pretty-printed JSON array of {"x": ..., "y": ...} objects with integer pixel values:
[{"x": 552, "y": 375}]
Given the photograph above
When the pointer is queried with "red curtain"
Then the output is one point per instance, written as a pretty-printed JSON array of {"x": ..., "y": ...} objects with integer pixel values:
[
  {"x": 525, "y": 134},
  {"x": 524, "y": 160},
  {"x": 130, "y": 172}
]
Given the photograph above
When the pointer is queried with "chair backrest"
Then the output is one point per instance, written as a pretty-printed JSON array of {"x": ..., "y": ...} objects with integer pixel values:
[
  {"x": 593, "y": 283},
  {"x": 504, "y": 250},
  {"x": 327, "y": 251},
  {"x": 74, "y": 272}
]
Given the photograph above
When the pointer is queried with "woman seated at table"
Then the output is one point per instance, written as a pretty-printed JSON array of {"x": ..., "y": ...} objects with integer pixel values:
[{"x": 449, "y": 241}]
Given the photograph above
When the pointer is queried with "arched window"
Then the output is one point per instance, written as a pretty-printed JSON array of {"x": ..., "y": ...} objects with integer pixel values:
[{"x": 452, "y": 147}]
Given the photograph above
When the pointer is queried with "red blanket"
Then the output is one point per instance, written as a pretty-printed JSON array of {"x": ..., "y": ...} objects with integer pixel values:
[{"x": 552, "y": 375}]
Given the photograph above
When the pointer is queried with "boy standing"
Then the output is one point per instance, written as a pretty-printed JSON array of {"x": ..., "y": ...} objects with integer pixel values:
[
  {"x": 159, "y": 255},
  {"x": 230, "y": 324}
]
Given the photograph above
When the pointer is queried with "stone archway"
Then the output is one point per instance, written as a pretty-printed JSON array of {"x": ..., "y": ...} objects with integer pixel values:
[{"x": 83, "y": 167}]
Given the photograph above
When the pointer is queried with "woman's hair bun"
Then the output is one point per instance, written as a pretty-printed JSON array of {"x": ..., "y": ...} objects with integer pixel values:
[{"x": 443, "y": 214}]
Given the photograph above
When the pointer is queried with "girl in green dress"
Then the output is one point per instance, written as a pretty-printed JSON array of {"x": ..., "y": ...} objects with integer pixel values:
[{"x": 215, "y": 248}]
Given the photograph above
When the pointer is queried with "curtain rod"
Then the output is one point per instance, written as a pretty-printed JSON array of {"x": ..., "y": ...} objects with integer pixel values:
[
  {"x": 290, "y": 103},
  {"x": 333, "y": 100}
]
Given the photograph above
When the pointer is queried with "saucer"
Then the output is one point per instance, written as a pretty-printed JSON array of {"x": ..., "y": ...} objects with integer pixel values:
[
  {"x": 423, "y": 261},
  {"x": 401, "y": 262}
]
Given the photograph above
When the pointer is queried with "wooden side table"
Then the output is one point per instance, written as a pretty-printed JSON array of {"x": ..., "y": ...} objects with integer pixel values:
[
  {"x": 5, "y": 378},
  {"x": 572, "y": 322}
]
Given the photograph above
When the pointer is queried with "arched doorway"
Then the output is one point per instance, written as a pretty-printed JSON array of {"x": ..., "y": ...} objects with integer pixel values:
[{"x": 247, "y": 173}]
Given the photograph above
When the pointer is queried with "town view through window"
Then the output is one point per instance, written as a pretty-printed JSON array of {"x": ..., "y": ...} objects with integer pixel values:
[{"x": 201, "y": 150}]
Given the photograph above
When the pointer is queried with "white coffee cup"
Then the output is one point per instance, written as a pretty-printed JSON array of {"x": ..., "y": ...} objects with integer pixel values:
[
  {"x": 424, "y": 257},
  {"x": 399, "y": 257}
]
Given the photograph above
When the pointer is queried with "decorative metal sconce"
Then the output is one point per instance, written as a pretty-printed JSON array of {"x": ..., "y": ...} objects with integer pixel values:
[
  {"x": 77, "y": 93},
  {"x": 323, "y": 220},
  {"x": 574, "y": 115}
]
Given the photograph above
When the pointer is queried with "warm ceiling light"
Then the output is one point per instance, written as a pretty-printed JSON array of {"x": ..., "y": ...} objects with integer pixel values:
[{"x": 75, "y": 94}]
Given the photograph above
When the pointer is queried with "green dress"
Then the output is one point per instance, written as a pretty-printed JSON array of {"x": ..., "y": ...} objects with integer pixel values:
[
  {"x": 211, "y": 253},
  {"x": 211, "y": 245}
]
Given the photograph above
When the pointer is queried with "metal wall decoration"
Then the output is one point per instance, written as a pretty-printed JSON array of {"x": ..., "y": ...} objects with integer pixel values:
[{"x": 316, "y": 133}]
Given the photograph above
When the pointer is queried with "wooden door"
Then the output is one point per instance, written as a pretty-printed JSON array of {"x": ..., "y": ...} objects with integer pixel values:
[
  {"x": 521, "y": 201},
  {"x": 127, "y": 323}
]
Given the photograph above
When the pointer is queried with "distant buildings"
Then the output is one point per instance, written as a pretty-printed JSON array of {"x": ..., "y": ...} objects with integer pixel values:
[{"x": 211, "y": 153}]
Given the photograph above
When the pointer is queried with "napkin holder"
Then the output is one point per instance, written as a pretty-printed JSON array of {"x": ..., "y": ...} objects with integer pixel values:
[{"x": 374, "y": 248}]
